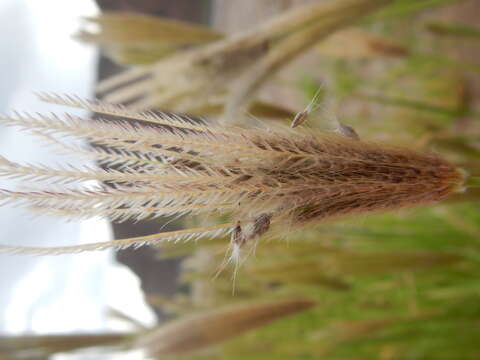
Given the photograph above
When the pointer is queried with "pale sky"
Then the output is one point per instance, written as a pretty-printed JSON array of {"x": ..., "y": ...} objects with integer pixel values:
[{"x": 59, "y": 293}]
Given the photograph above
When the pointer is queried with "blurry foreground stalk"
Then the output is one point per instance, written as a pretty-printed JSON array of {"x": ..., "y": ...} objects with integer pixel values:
[
  {"x": 43, "y": 346},
  {"x": 213, "y": 327},
  {"x": 178, "y": 337}
]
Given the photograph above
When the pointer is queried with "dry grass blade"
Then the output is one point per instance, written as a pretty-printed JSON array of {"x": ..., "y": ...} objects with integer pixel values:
[
  {"x": 355, "y": 263},
  {"x": 333, "y": 263},
  {"x": 141, "y": 29},
  {"x": 356, "y": 43},
  {"x": 337, "y": 334},
  {"x": 132, "y": 38},
  {"x": 203, "y": 330},
  {"x": 350, "y": 331},
  {"x": 17, "y": 347}
]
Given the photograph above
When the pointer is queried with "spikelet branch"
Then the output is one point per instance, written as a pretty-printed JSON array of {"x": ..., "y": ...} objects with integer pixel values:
[
  {"x": 130, "y": 137},
  {"x": 137, "y": 213},
  {"x": 155, "y": 239},
  {"x": 128, "y": 196},
  {"x": 147, "y": 139},
  {"x": 71, "y": 174},
  {"x": 172, "y": 120}
]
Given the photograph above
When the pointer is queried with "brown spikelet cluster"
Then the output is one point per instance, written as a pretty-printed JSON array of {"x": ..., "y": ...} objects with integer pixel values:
[{"x": 261, "y": 177}]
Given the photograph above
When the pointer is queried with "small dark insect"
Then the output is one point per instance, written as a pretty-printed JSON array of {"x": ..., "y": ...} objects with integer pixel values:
[
  {"x": 238, "y": 237},
  {"x": 299, "y": 118},
  {"x": 347, "y": 131},
  {"x": 268, "y": 181},
  {"x": 302, "y": 116}
]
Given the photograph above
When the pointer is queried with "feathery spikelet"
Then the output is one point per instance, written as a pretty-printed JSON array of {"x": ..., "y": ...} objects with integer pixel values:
[{"x": 261, "y": 178}]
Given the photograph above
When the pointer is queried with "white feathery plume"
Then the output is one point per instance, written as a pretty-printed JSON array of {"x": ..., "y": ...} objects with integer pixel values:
[{"x": 166, "y": 164}]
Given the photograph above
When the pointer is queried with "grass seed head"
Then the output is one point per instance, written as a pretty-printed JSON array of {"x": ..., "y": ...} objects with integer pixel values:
[{"x": 260, "y": 177}]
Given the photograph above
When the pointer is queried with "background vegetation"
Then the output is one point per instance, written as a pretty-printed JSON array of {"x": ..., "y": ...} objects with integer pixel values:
[{"x": 402, "y": 285}]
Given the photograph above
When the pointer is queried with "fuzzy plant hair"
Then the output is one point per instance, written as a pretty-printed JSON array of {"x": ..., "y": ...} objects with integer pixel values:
[{"x": 268, "y": 179}]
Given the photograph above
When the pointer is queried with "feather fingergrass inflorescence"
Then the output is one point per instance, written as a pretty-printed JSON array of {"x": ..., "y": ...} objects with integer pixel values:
[{"x": 267, "y": 180}]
